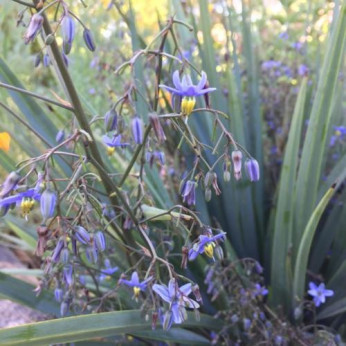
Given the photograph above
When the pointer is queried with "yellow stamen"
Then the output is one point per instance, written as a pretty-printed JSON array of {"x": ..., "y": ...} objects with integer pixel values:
[
  {"x": 338, "y": 133},
  {"x": 26, "y": 206},
  {"x": 110, "y": 150},
  {"x": 209, "y": 249},
  {"x": 187, "y": 105},
  {"x": 136, "y": 291}
]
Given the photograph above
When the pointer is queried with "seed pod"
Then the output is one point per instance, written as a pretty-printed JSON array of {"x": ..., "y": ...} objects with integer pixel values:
[
  {"x": 49, "y": 39},
  {"x": 156, "y": 125},
  {"x": 89, "y": 40}
]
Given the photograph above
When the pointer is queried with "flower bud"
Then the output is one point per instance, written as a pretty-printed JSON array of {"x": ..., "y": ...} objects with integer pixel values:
[
  {"x": 82, "y": 235},
  {"x": 48, "y": 202},
  {"x": 237, "y": 160},
  {"x": 9, "y": 184},
  {"x": 46, "y": 60},
  {"x": 100, "y": 241},
  {"x": 160, "y": 155},
  {"x": 208, "y": 179},
  {"x": 252, "y": 169},
  {"x": 37, "y": 60},
  {"x": 68, "y": 274},
  {"x": 189, "y": 193},
  {"x": 33, "y": 28},
  {"x": 65, "y": 255},
  {"x": 65, "y": 59},
  {"x": 58, "y": 294},
  {"x": 64, "y": 307},
  {"x": 68, "y": 32},
  {"x": 137, "y": 130},
  {"x": 60, "y": 136},
  {"x": 57, "y": 251},
  {"x": 207, "y": 194},
  {"x": 111, "y": 120},
  {"x": 89, "y": 40},
  {"x": 91, "y": 253}
]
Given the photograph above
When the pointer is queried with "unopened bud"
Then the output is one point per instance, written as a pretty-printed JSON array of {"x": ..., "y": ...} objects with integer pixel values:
[
  {"x": 65, "y": 255},
  {"x": 9, "y": 184},
  {"x": 252, "y": 169},
  {"x": 57, "y": 251},
  {"x": 68, "y": 32},
  {"x": 208, "y": 179},
  {"x": 46, "y": 60},
  {"x": 100, "y": 241},
  {"x": 207, "y": 194},
  {"x": 137, "y": 130},
  {"x": 48, "y": 202},
  {"x": 60, "y": 136},
  {"x": 111, "y": 120},
  {"x": 89, "y": 40},
  {"x": 37, "y": 60},
  {"x": 82, "y": 235}
]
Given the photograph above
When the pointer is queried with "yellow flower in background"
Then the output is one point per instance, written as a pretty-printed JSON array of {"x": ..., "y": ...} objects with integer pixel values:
[{"x": 5, "y": 140}]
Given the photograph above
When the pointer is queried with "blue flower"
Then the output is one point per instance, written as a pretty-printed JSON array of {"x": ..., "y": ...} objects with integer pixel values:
[
  {"x": 113, "y": 142},
  {"x": 188, "y": 192},
  {"x": 185, "y": 87},
  {"x": 48, "y": 202},
  {"x": 319, "y": 293},
  {"x": 260, "y": 291},
  {"x": 108, "y": 270},
  {"x": 136, "y": 284},
  {"x": 178, "y": 299},
  {"x": 205, "y": 244}
]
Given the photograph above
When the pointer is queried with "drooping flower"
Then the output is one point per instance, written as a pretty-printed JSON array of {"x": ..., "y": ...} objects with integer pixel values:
[
  {"x": 319, "y": 293},
  {"x": 260, "y": 291},
  {"x": 189, "y": 192},
  {"x": 205, "y": 244},
  {"x": 111, "y": 120},
  {"x": 33, "y": 28},
  {"x": 185, "y": 87},
  {"x": 108, "y": 270},
  {"x": 178, "y": 300},
  {"x": 135, "y": 283},
  {"x": 113, "y": 142}
]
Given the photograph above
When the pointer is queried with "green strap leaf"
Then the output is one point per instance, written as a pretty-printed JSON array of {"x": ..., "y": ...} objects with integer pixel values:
[{"x": 86, "y": 327}]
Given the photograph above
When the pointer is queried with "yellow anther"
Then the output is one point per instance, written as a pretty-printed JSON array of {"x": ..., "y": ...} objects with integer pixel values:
[
  {"x": 187, "y": 105},
  {"x": 338, "y": 133},
  {"x": 136, "y": 291},
  {"x": 26, "y": 205},
  {"x": 209, "y": 249},
  {"x": 110, "y": 150}
]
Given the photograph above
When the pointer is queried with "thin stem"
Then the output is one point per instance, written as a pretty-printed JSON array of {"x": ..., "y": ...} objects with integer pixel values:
[
  {"x": 23, "y": 91},
  {"x": 24, "y": 3}
]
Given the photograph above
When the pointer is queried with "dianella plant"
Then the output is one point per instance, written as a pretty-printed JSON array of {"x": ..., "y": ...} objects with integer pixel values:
[{"x": 196, "y": 195}]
